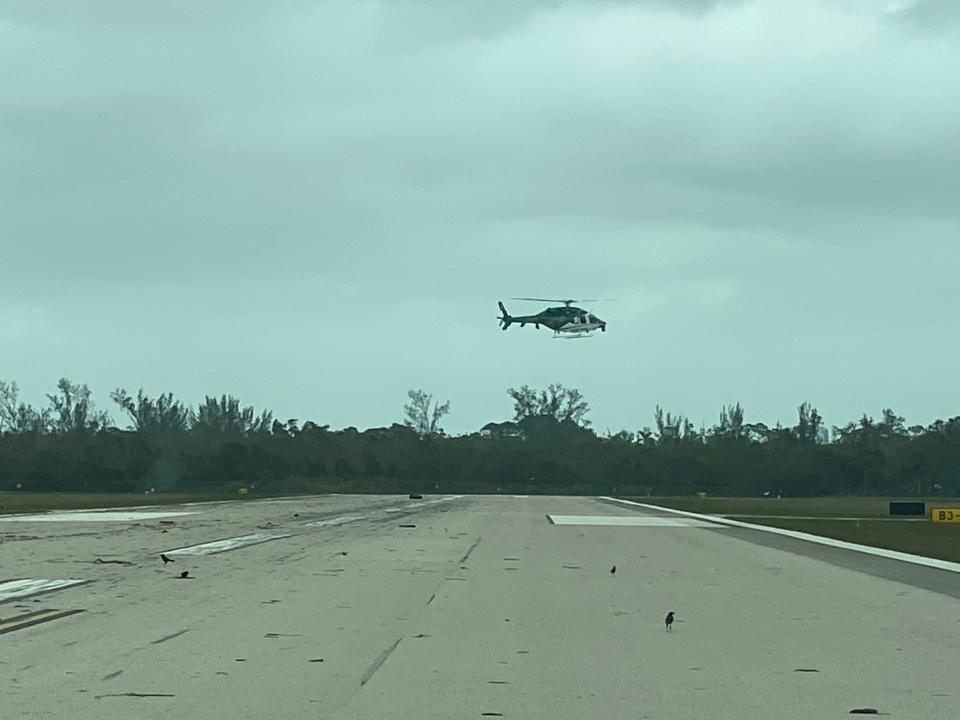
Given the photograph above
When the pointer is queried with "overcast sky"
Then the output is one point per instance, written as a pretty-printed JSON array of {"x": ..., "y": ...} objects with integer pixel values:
[{"x": 316, "y": 205}]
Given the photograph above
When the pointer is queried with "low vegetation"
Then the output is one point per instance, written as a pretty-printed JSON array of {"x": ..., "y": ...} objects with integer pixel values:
[
  {"x": 863, "y": 520},
  {"x": 547, "y": 446}
]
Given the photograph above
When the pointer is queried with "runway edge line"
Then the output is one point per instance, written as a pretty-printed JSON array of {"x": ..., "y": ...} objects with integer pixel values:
[{"x": 797, "y": 535}]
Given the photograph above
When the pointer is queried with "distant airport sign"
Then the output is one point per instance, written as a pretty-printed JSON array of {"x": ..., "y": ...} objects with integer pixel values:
[{"x": 945, "y": 515}]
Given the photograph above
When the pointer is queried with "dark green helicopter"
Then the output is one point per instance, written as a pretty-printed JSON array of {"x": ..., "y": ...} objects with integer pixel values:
[{"x": 566, "y": 321}]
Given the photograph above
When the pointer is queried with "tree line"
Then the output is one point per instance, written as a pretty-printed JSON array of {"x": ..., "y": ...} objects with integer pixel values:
[{"x": 547, "y": 446}]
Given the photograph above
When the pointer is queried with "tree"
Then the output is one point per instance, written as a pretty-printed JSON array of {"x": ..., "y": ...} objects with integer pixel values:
[
  {"x": 72, "y": 409},
  {"x": 226, "y": 415},
  {"x": 668, "y": 426},
  {"x": 160, "y": 413},
  {"x": 18, "y": 417},
  {"x": 423, "y": 414},
  {"x": 808, "y": 424},
  {"x": 731, "y": 423},
  {"x": 564, "y": 404}
]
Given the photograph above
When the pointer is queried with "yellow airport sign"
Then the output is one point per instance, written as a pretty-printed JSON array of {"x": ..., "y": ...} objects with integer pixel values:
[{"x": 945, "y": 515}]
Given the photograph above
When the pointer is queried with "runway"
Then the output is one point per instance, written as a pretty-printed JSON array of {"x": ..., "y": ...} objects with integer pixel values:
[{"x": 459, "y": 607}]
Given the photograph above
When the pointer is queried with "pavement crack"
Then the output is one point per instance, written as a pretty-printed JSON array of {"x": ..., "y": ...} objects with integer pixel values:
[
  {"x": 469, "y": 550},
  {"x": 169, "y": 637},
  {"x": 381, "y": 659},
  {"x": 135, "y": 695},
  {"x": 112, "y": 675}
]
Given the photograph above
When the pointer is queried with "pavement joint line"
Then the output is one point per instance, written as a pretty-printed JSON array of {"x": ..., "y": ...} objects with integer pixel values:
[
  {"x": 30, "y": 619},
  {"x": 808, "y": 537},
  {"x": 381, "y": 659},
  {"x": 469, "y": 550}
]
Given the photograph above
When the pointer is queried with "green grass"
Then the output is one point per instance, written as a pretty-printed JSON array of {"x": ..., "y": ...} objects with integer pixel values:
[
  {"x": 859, "y": 507},
  {"x": 872, "y": 525},
  {"x": 26, "y": 502},
  {"x": 929, "y": 539}
]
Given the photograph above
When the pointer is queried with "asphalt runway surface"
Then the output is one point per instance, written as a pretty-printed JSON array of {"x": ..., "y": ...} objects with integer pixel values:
[{"x": 458, "y": 607}]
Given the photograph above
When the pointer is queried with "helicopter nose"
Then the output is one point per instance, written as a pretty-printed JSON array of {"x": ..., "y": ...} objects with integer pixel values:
[{"x": 603, "y": 327}]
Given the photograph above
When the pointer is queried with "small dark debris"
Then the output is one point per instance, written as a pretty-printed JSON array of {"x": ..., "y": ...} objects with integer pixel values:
[
  {"x": 269, "y": 602},
  {"x": 416, "y": 496},
  {"x": 571, "y": 567},
  {"x": 512, "y": 559},
  {"x": 167, "y": 522},
  {"x": 220, "y": 672},
  {"x": 279, "y": 635},
  {"x": 491, "y": 714},
  {"x": 864, "y": 711},
  {"x": 506, "y": 619},
  {"x": 807, "y": 670},
  {"x": 240, "y": 660},
  {"x": 422, "y": 635},
  {"x": 523, "y": 652},
  {"x": 315, "y": 660},
  {"x": 497, "y": 682},
  {"x": 408, "y": 526},
  {"x": 112, "y": 675},
  {"x": 343, "y": 552},
  {"x": 296, "y": 514},
  {"x": 134, "y": 694},
  {"x": 101, "y": 561}
]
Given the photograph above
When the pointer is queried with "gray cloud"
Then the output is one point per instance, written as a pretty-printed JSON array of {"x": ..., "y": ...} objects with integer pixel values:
[{"x": 316, "y": 206}]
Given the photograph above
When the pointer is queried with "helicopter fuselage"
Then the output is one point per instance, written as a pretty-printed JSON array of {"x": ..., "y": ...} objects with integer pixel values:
[{"x": 568, "y": 319}]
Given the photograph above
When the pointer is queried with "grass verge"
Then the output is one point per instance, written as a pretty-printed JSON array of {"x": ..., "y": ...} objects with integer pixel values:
[
  {"x": 855, "y": 519},
  {"x": 27, "y": 502}
]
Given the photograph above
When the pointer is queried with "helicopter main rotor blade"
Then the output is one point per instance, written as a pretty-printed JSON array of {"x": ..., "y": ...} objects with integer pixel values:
[{"x": 566, "y": 301}]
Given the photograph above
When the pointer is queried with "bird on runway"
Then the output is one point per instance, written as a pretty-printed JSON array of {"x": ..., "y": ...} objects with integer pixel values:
[
  {"x": 613, "y": 570},
  {"x": 185, "y": 575},
  {"x": 165, "y": 559},
  {"x": 668, "y": 621}
]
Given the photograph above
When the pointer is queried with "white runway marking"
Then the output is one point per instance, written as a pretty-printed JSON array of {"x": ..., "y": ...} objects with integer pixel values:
[
  {"x": 335, "y": 521},
  {"x": 13, "y": 589},
  {"x": 219, "y": 546},
  {"x": 95, "y": 516},
  {"x": 626, "y": 520},
  {"x": 819, "y": 539}
]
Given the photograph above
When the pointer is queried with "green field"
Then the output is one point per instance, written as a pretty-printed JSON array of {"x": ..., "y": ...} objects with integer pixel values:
[
  {"x": 861, "y": 520},
  {"x": 25, "y": 502}
]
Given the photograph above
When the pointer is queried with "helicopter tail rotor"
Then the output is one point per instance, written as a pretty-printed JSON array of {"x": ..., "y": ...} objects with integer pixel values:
[{"x": 505, "y": 318}]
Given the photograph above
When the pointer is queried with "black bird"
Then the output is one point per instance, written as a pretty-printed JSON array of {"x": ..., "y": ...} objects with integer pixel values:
[
  {"x": 669, "y": 620},
  {"x": 185, "y": 575},
  {"x": 613, "y": 570},
  {"x": 165, "y": 559}
]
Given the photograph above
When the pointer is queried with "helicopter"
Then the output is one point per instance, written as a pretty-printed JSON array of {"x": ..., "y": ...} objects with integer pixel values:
[{"x": 566, "y": 320}]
